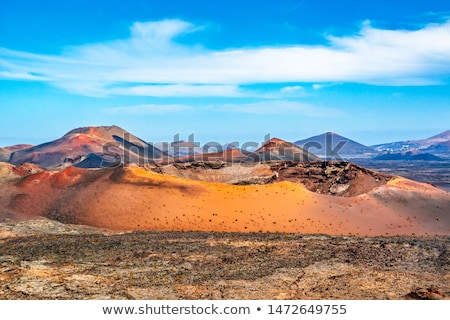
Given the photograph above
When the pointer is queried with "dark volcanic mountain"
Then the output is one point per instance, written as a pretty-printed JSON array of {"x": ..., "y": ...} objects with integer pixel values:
[
  {"x": 90, "y": 147},
  {"x": 408, "y": 156},
  {"x": 179, "y": 149},
  {"x": 333, "y": 146},
  {"x": 438, "y": 144},
  {"x": 442, "y": 148}
]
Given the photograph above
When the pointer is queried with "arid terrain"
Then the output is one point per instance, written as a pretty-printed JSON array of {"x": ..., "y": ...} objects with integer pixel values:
[
  {"x": 44, "y": 259},
  {"x": 433, "y": 172},
  {"x": 276, "y": 223},
  {"x": 321, "y": 197}
]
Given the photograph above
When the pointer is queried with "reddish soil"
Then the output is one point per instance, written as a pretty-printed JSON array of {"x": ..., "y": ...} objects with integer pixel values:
[{"x": 134, "y": 198}]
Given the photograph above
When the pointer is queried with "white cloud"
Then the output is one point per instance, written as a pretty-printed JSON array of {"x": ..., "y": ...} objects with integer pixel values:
[
  {"x": 20, "y": 76},
  {"x": 281, "y": 107},
  {"x": 152, "y": 63},
  {"x": 292, "y": 90},
  {"x": 147, "y": 109},
  {"x": 180, "y": 90},
  {"x": 319, "y": 86},
  {"x": 275, "y": 107},
  {"x": 160, "y": 30}
]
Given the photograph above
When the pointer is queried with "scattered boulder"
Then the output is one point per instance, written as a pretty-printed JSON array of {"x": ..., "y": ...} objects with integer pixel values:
[{"x": 426, "y": 294}]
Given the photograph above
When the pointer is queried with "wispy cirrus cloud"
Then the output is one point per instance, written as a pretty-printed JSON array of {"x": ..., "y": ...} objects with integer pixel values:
[
  {"x": 182, "y": 90},
  {"x": 281, "y": 107},
  {"x": 152, "y": 63},
  {"x": 320, "y": 86},
  {"x": 275, "y": 107},
  {"x": 142, "y": 109},
  {"x": 293, "y": 90}
]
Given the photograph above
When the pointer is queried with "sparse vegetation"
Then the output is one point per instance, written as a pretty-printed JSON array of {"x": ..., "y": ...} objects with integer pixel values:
[{"x": 40, "y": 259}]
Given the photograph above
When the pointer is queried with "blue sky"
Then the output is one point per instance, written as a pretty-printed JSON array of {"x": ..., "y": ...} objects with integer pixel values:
[{"x": 374, "y": 71}]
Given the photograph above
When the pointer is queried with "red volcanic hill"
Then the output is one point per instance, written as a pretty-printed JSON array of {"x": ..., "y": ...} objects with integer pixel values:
[
  {"x": 90, "y": 147},
  {"x": 277, "y": 149},
  {"x": 279, "y": 187},
  {"x": 273, "y": 150},
  {"x": 133, "y": 198}
]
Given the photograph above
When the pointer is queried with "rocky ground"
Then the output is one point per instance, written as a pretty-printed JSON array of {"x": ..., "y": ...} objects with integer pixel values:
[
  {"x": 43, "y": 259},
  {"x": 434, "y": 172},
  {"x": 339, "y": 178}
]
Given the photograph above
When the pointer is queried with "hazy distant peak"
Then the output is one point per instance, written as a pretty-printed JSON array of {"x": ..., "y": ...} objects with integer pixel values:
[
  {"x": 443, "y": 135},
  {"x": 331, "y": 141},
  {"x": 18, "y": 147},
  {"x": 439, "y": 144}
]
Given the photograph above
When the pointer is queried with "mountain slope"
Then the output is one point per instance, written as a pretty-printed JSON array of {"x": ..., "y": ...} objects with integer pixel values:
[
  {"x": 273, "y": 150},
  {"x": 441, "y": 137},
  {"x": 408, "y": 156},
  {"x": 178, "y": 149},
  {"x": 133, "y": 198},
  {"x": 18, "y": 147},
  {"x": 441, "y": 148},
  {"x": 4, "y": 155},
  {"x": 438, "y": 144},
  {"x": 231, "y": 156},
  {"x": 333, "y": 146},
  {"x": 110, "y": 144},
  {"x": 277, "y": 149}
]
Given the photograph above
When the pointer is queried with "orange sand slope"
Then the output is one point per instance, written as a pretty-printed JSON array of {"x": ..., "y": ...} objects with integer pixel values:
[{"x": 135, "y": 199}]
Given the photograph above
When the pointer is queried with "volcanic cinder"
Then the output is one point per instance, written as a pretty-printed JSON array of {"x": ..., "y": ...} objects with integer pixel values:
[
  {"x": 330, "y": 198},
  {"x": 275, "y": 223},
  {"x": 277, "y": 188}
]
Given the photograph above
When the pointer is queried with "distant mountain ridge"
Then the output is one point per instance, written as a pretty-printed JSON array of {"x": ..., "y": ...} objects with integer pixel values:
[
  {"x": 180, "y": 148},
  {"x": 331, "y": 145},
  {"x": 109, "y": 146},
  {"x": 272, "y": 150},
  {"x": 438, "y": 144},
  {"x": 441, "y": 137},
  {"x": 408, "y": 156}
]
